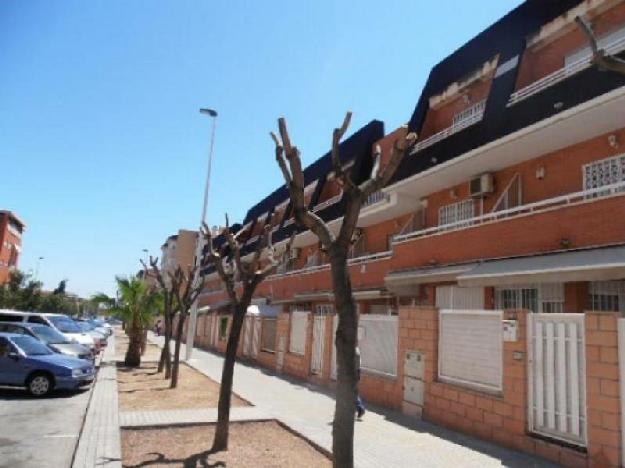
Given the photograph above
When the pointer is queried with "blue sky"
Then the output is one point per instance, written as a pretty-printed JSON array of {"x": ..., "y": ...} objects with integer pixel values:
[{"x": 103, "y": 149}]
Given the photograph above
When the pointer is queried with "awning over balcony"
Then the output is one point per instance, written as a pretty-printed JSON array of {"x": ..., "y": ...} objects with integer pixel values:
[
  {"x": 582, "y": 265},
  {"x": 314, "y": 296},
  {"x": 406, "y": 282}
]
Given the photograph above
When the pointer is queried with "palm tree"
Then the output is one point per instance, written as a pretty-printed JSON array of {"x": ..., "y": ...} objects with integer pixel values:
[{"x": 137, "y": 304}]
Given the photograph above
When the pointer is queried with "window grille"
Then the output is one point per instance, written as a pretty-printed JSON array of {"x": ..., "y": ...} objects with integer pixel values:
[
  {"x": 541, "y": 298},
  {"x": 324, "y": 309},
  {"x": 456, "y": 212},
  {"x": 470, "y": 112},
  {"x": 607, "y": 171},
  {"x": 512, "y": 196},
  {"x": 607, "y": 296}
]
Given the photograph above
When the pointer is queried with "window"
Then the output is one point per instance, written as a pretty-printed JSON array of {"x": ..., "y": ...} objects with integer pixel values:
[
  {"x": 268, "y": 335},
  {"x": 471, "y": 348},
  {"x": 324, "y": 309},
  {"x": 223, "y": 327},
  {"x": 456, "y": 212},
  {"x": 470, "y": 113},
  {"x": 541, "y": 298},
  {"x": 36, "y": 319},
  {"x": 10, "y": 318},
  {"x": 607, "y": 296},
  {"x": 378, "y": 343},
  {"x": 299, "y": 327},
  {"x": 607, "y": 171}
]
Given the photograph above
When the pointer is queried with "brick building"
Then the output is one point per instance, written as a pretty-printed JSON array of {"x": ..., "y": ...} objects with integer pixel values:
[
  {"x": 11, "y": 230},
  {"x": 490, "y": 273}
]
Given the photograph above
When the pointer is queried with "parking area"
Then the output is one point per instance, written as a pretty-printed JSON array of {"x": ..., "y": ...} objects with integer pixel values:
[{"x": 40, "y": 432}]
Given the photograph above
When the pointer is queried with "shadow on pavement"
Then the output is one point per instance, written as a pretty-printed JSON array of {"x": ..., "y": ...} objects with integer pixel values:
[{"x": 21, "y": 394}]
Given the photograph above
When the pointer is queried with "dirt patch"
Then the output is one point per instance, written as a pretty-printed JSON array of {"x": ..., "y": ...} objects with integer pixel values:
[
  {"x": 143, "y": 389},
  {"x": 257, "y": 444}
]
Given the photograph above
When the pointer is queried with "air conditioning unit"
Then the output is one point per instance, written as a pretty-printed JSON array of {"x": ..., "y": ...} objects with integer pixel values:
[
  {"x": 482, "y": 185},
  {"x": 295, "y": 253}
]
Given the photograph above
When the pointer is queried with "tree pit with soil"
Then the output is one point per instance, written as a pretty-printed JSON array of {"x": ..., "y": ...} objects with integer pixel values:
[
  {"x": 144, "y": 389},
  {"x": 251, "y": 444}
]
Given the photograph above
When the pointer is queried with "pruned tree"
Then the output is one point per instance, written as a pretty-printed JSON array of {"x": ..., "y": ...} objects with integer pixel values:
[
  {"x": 179, "y": 294},
  {"x": 248, "y": 270},
  {"x": 337, "y": 248},
  {"x": 603, "y": 60}
]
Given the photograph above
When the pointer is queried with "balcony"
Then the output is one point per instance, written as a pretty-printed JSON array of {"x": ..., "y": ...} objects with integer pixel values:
[
  {"x": 562, "y": 74},
  {"x": 328, "y": 202},
  {"x": 376, "y": 197},
  {"x": 537, "y": 207},
  {"x": 577, "y": 220},
  {"x": 458, "y": 126}
]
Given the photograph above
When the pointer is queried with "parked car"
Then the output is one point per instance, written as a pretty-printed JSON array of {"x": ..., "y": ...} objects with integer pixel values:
[
  {"x": 50, "y": 337},
  {"x": 96, "y": 326},
  {"x": 102, "y": 324},
  {"x": 98, "y": 337},
  {"x": 27, "y": 362},
  {"x": 61, "y": 323}
]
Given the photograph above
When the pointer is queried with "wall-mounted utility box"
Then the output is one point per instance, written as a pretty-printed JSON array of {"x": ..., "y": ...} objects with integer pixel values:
[{"x": 509, "y": 330}]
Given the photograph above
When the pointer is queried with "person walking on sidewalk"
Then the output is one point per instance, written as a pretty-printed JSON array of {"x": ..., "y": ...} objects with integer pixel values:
[{"x": 360, "y": 407}]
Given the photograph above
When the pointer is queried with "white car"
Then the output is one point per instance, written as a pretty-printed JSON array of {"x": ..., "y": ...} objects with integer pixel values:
[{"x": 59, "y": 322}]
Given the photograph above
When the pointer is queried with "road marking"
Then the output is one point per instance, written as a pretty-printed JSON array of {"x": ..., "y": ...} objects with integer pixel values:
[{"x": 59, "y": 436}]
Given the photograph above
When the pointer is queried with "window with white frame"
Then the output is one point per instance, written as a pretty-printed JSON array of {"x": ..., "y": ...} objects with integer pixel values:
[
  {"x": 456, "y": 212},
  {"x": 604, "y": 172},
  {"x": 324, "y": 309},
  {"x": 607, "y": 296},
  {"x": 472, "y": 112},
  {"x": 471, "y": 348},
  {"x": 540, "y": 298},
  {"x": 299, "y": 326}
]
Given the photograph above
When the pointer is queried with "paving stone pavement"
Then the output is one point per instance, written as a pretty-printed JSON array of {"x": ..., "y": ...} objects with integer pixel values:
[
  {"x": 384, "y": 437},
  {"x": 99, "y": 444},
  {"x": 129, "y": 419}
]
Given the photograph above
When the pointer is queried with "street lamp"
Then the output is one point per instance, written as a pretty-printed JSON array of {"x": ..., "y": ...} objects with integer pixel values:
[
  {"x": 37, "y": 268},
  {"x": 198, "y": 245}
]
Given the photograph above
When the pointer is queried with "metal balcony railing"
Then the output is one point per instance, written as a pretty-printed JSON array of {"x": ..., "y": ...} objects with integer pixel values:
[
  {"x": 537, "y": 207},
  {"x": 475, "y": 118},
  {"x": 328, "y": 202},
  {"x": 376, "y": 197},
  {"x": 561, "y": 74}
]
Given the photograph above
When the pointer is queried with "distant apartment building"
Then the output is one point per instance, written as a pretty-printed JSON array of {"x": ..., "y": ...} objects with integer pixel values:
[
  {"x": 11, "y": 230},
  {"x": 179, "y": 250},
  {"x": 490, "y": 273}
]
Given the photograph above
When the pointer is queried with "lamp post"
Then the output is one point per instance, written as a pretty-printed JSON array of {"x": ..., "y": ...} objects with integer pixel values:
[
  {"x": 199, "y": 245},
  {"x": 37, "y": 268}
]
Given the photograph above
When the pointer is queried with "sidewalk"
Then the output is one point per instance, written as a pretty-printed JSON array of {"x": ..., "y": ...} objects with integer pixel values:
[
  {"x": 99, "y": 443},
  {"x": 383, "y": 438}
]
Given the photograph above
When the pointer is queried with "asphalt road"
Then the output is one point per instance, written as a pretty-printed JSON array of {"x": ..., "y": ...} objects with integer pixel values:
[{"x": 40, "y": 432}]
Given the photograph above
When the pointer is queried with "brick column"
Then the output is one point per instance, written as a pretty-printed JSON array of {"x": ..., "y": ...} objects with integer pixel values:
[{"x": 602, "y": 389}]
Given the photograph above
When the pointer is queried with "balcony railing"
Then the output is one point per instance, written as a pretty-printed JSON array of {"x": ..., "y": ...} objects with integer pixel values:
[
  {"x": 449, "y": 131},
  {"x": 328, "y": 202},
  {"x": 537, "y": 207},
  {"x": 376, "y": 197},
  {"x": 326, "y": 266},
  {"x": 561, "y": 74}
]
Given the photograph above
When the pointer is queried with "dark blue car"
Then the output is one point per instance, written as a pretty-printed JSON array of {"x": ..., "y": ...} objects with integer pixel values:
[{"x": 26, "y": 362}]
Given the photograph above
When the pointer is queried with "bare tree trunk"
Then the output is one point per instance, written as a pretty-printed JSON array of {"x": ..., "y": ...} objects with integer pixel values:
[
  {"x": 133, "y": 353},
  {"x": 176, "y": 363},
  {"x": 165, "y": 354},
  {"x": 347, "y": 382},
  {"x": 225, "y": 390}
]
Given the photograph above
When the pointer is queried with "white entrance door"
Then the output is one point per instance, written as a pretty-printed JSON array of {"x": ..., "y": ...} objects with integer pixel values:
[
  {"x": 557, "y": 376},
  {"x": 319, "y": 327},
  {"x": 335, "y": 325}
]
